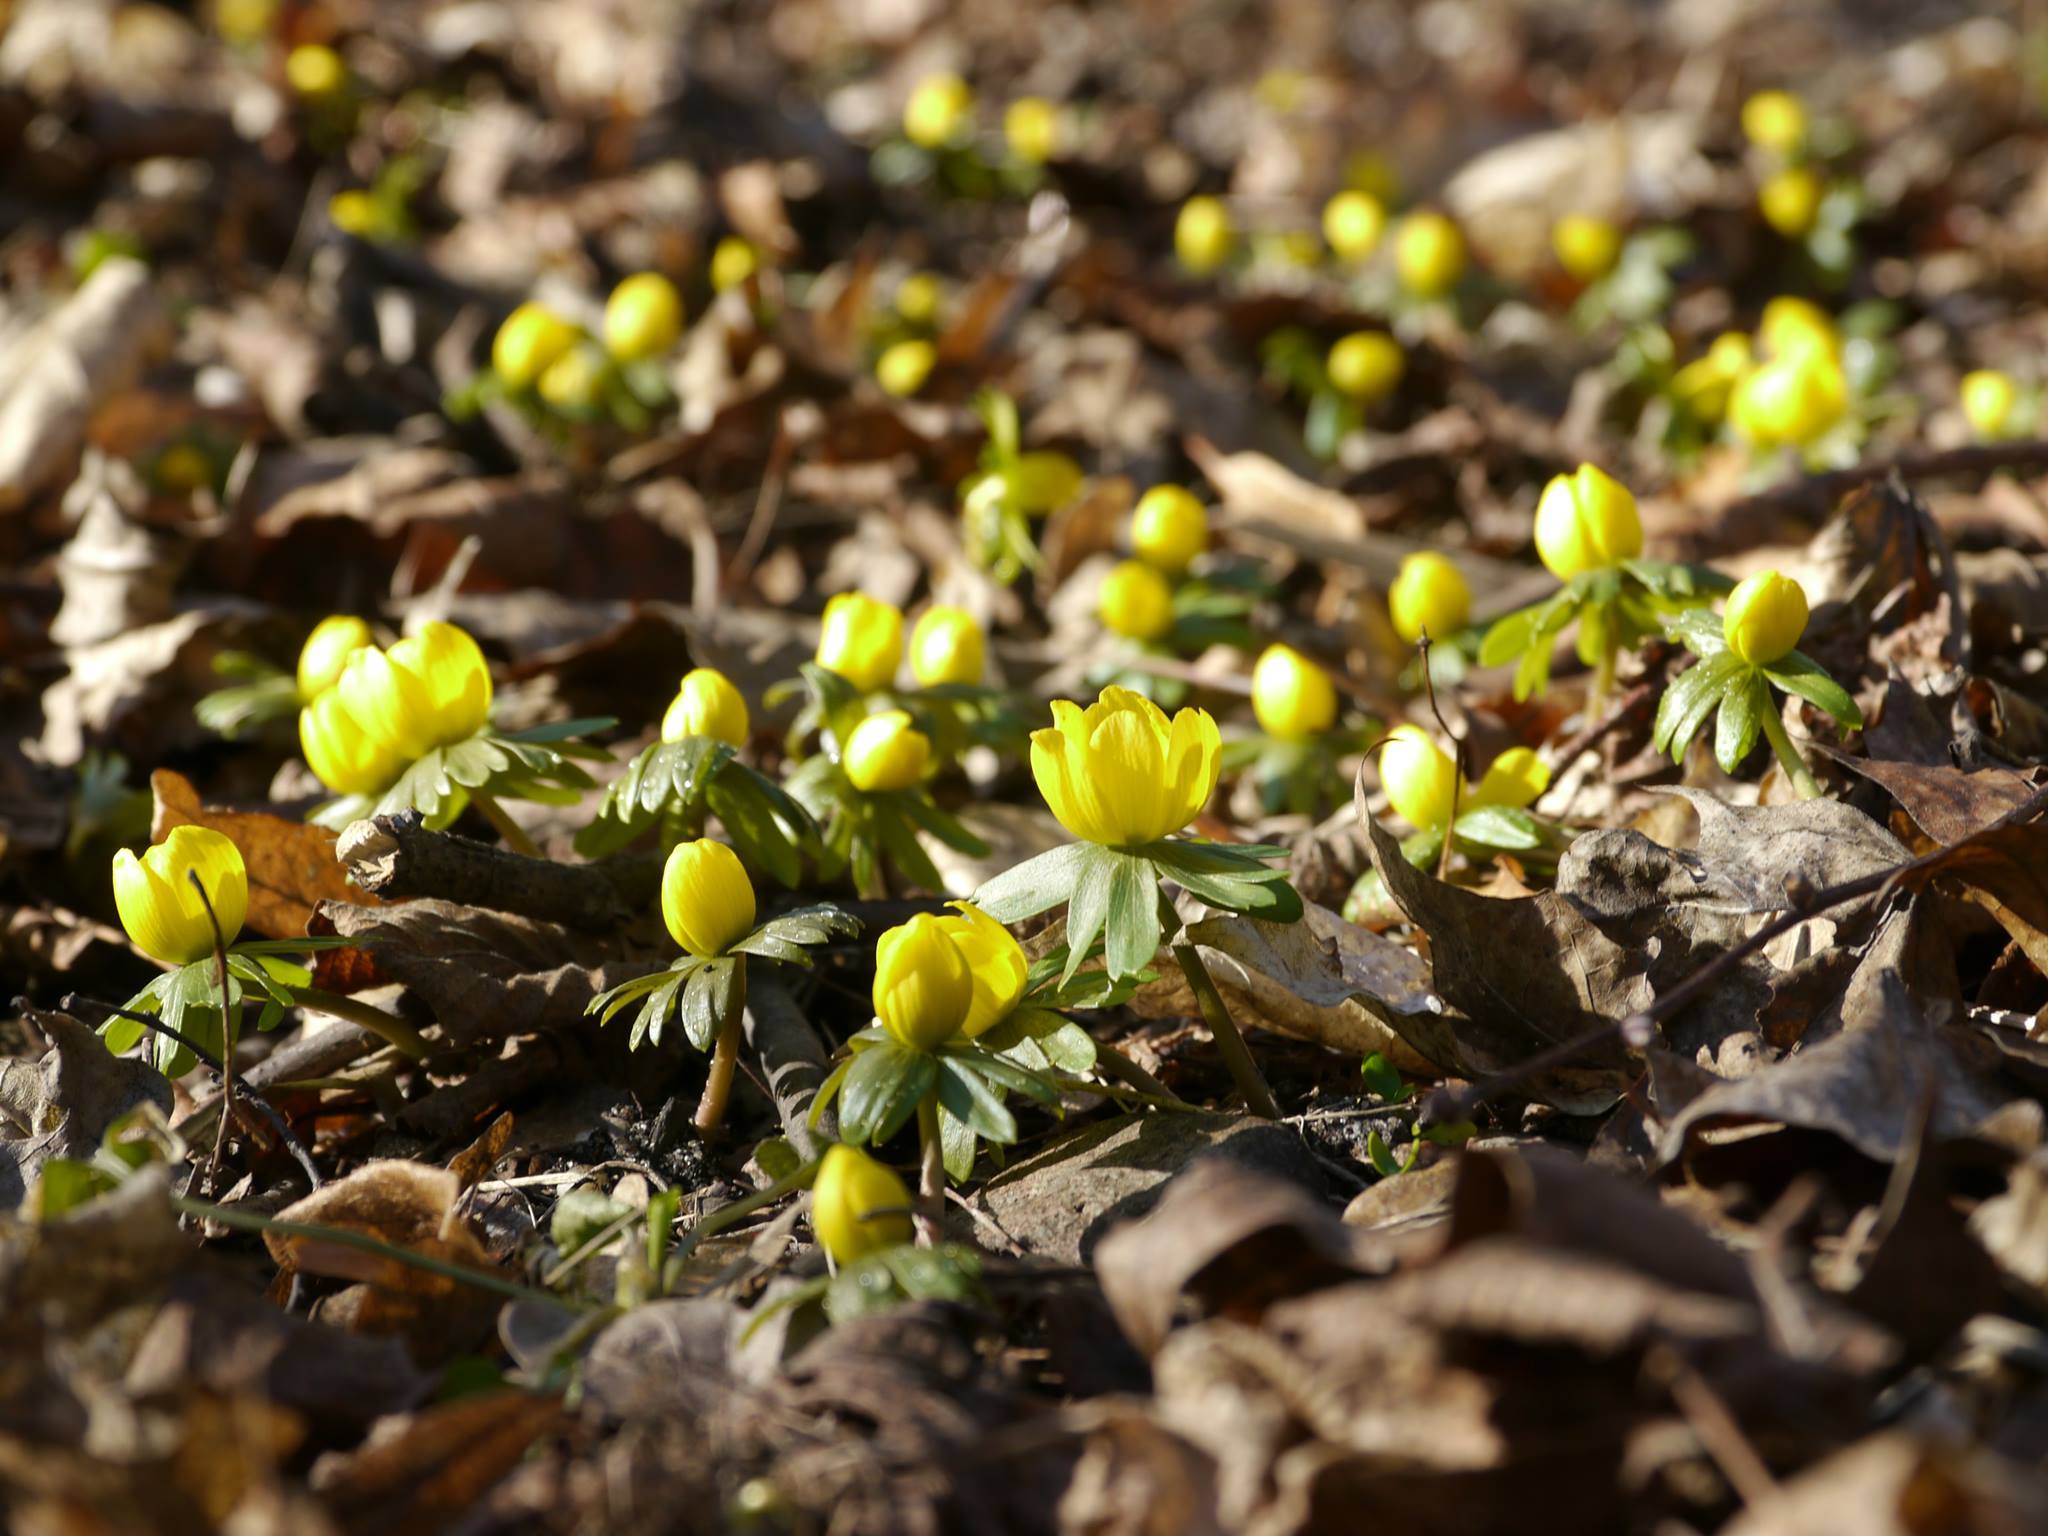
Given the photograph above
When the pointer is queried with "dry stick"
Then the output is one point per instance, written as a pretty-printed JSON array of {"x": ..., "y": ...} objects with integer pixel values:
[
  {"x": 791, "y": 1058},
  {"x": 1824, "y": 489},
  {"x": 1230, "y": 1044},
  {"x": 725, "y": 1056},
  {"x": 396, "y": 856}
]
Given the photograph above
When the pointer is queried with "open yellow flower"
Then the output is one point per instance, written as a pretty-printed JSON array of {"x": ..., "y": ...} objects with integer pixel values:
[
  {"x": 1586, "y": 521},
  {"x": 886, "y": 753},
  {"x": 1119, "y": 773},
  {"x": 707, "y": 704},
  {"x": 938, "y": 111},
  {"x": 923, "y": 989},
  {"x": 1421, "y": 779},
  {"x": 1428, "y": 594},
  {"x": 858, "y": 1206},
  {"x": 159, "y": 908},
  {"x": 429, "y": 690},
  {"x": 947, "y": 646},
  {"x": 344, "y": 756},
  {"x": 995, "y": 961},
  {"x": 706, "y": 899},
  {"x": 1292, "y": 697},
  {"x": 327, "y": 650},
  {"x": 1169, "y": 528},
  {"x": 862, "y": 640},
  {"x": 1765, "y": 617}
]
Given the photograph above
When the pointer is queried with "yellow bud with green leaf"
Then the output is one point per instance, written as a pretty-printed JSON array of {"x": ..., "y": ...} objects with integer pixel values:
[
  {"x": 1988, "y": 400},
  {"x": 575, "y": 381},
  {"x": 1775, "y": 121},
  {"x": 1586, "y": 521},
  {"x": 1764, "y": 618},
  {"x": 733, "y": 261},
  {"x": 1428, "y": 594},
  {"x": 923, "y": 989},
  {"x": 532, "y": 337},
  {"x": 1366, "y": 365},
  {"x": 1031, "y": 127},
  {"x": 707, "y": 901},
  {"x": 861, "y": 639},
  {"x": 904, "y": 366},
  {"x": 1796, "y": 399},
  {"x": 885, "y": 752},
  {"x": 1120, "y": 773},
  {"x": 1790, "y": 200},
  {"x": 858, "y": 1206},
  {"x": 707, "y": 704},
  {"x": 918, "y": 298},
  {"x": 938, "y": 111},
  {"x": 1587, "y": 248},
  {"x": 316, "y": 71},
  {"x": 159, "y": 906},
  {"x": 1169, "y": 528}
]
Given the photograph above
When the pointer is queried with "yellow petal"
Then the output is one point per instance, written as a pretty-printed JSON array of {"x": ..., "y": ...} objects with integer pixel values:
[
  {"x": 922, "y": 988},
  {"x": 995, "y": 961},
  {"x": 706, "y": 899},
  {"x": 1514, "y": 779},
  {"x": 857, "y": 1205}
]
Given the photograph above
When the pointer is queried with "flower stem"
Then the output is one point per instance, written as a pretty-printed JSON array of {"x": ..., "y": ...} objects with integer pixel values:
[
  {"x": 1789, "y": 759},
  {"x": 931, "y": 1174},
  {"x": 387, "y": 1026},
  {"x": 1603, "y": 676},
  {"x": 514, "y": 834},
  {"x": 1236, "y": 1054},
  {"x": 725, "y": 1057}
]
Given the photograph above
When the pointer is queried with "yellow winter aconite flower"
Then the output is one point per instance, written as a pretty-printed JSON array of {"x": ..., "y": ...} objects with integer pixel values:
[
  {"x": 1429, "y": 593},
  {"x": 861, "y": 640},
  {"x": 575, "y": 380},
  {"x": 1703, "y": 385},
  {"x": 1202, "y": 235},
  {"x": 922, "y": 986},
  {"x": 707, "y": 704},
  {"x": 344, "y": 756},
  {"x": 1776, "y": 121},
  {"x": 918, "y": 298},
  {"x": 532, "y": 337},
  {"x": 159, "y": 908},
  {"x": 1790, "y": 324},
  {"x": 1120, "y": 773},
  {"x": 1135, "y": 602},
  {"x": 1795, "y": 398},
  {"x": 706, "y": 899},
  {"x": 1586, "y": 247},
  {"x": 995, "y": 961},
  {"x": 1367, "y": 365},
  {"x": 334, "y": 639},
  {"x": 1031, "y": 127},
  {"x": 733, "y": 261},
  {"x": 903, "y": 367},
  {"x": 429, "y": 690},
  {"x": 355, "y": 212},
  {"x": 1354, "y": 223},
  {"x": 643, "y": 317},
  {"x": 1765, "y": 617},
  {"x": 938, "y": 111},
  {"x": 858, "y": 1206},
  {"x": 947, "y": 646},
  {"x": 1429, "y": 254},
  {"x": 1421, "y": 779},
  {"x": 1586, "y": 521},
  {"x": 1169, "y": 528},
  {"x": 1988, "y": 398},
  {"x": 885, "y": 752},
  {"x": 1790, "y": 200},
  {"x": 1292, "y": 697},
  {"x": 1043, "y": 480},
  {"x": 315, "y": 71}
]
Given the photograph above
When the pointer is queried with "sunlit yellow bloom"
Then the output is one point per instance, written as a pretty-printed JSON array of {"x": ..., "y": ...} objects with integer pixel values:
[
  {"x": 327, "y": 650},
  {"x": 1202, "y": 235},
  {"x": 1790, "y": 323},
  {"x": 1586, "y": 521},
  {"x": 707, "y": 704},
  {"x": 158, "y": 905},
  {"x": 1790, "y": 200},
  {"x": 344, "y": 756},
  {"x": 1988, "y": 398},
  {"x": 858, "y": 1206},
  {"x": 862, "y": 640},
  {"x": 1428, "y": 594},
  {"x": 1514, "y": 779},
  {"x": 904, "y": 366},
  {"x": 947, "y": 646},
  {"x": 1765, "y": 617},
  {"x": 1421, "y": 779},
  {"x": 995, "y": 961},
  {"x": 575, "y": 380},
  {"x": 355, "y": 212},
  {"x": 1366, "y": 365},
  {"x": 1775, "y": 120},
  {"x": 1703, "y": 385},
  {"x": 532, "y": 337},
  {"x": 1031, "y": 127},
  {"x": 1120, "y": 773},
  {"x": 1169, "y": 528},
  {"x": 885, "y": 752},
  {"x": 1292, "y": 697},
  {"x": 315, "y": 71},
  {"x": 1429, "y": 253},
  {"x": 1586, "y": 247},
  {"x": 706, "y": 899},
  {"x": 643, "y": 317},
  {"x": 922, "y": 989},
  {"x": 938, "y": 111},
  {"x": 1135, "y": 602},
  {"x": 1354, "y": 223},
  {"x": 1796, "y": 398},
  {"x": 918, "y": 298},
  {"x": 733, "y": 261},
  {"x": 429, "y": 690},
  {"x": 1043, "y": 480}
]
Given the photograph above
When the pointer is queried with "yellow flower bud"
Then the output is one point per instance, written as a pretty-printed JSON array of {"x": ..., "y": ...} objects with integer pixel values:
[
  {"x": 947, "y": 646},
  {"x": 1293, "y": 698},
  {"x": 886, "y": 753},
  {"x": 1202, "y": 235},
  {"x": 575, "y": 380},
  {"x": 1169, "y": 528},
  {"x": 355, "y": 212},
  {"x": 858, "y": 1206},
  {"x": 707, "y": 704},
  {"x": 923, "y": 989},
  {"x": 1429, "y": 254},
  {"x": 1586, "y": 247},
  {"x": 183, "y": 468},
  {"x": 1135, "y": 602},
  {"x": 1428, "y": 594},
  {"x": 918, "y": 298},
  {"x": 1988, "y": 398},
  {"x": 1043, "y": 480},
  {"x": 532, "y": 337},
  {"x": 1703, "y": 385},
  {"x": 1515, "y": 779},
  {"x": 1031, "y": 127},
  {"x": 1120, "y": 773},
  {"x": 1775, "y": 121},
  {"x": 938, "y": 111},
  {"x": 163, "y": 913},
  {"x": 1586, "y": 521},
  {"x": 1790, "y": 324},
  {"x": 244, "y": 21},
  {"x": 1796, "y": 398},
  {"x": 903, "y": 367},
  {"x": 643, "y": 317},
  {"x": 1765, "y": 617},
  {"x": 327, "y": 650},
  {"x": 1420, "y": 778},
  {"x": 429, "y": 690},
  {"x": 995, "y": 961},
  {"x": 315, "y": 71},
  {"x": 344, "y": 756},
  {"x": 1354, "y": 223},
  {"x": 733, "y": 261},
  {"x": 1367, "y": 365},
  {"x": 1371, "y": 172},
  {"x": 862, "y": 640},
  {"x": 1790, "y": 201},
  {"x": 706, "y": 899}
]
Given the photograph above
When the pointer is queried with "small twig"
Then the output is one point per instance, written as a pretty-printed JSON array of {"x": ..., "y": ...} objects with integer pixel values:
[
  {"x": 1717, "y": 1428},
  {"x": 1824, "y": 489}
]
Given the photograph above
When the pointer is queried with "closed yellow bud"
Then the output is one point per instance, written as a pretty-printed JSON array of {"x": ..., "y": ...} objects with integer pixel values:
[
  {"x": 532, "y": 337},
  {"x": 315, "y": 71},
  {"x": 733, "y": 261},
  {"x": 1169, "y": 528},
  {"x": 1429, "y": 254},
  {"x": 922, "y": 986},
  {"x": 1031, "y": 127},
  {"x": 344, "y": 756},
  {"x": 706, "y": 899},
  {"x": 1135, "y": 602},
  {"x": 1354, "y": 223},
  {"x": 995, "y": 961},
  {"x": 1586, "y": 521},
  {"x": 1429, "y": 594},
  {"x": 1293, "y": 698},
  {"x": 643, "y": 317},
  {"x": 862, "y": 640},
  {"x": 904, "y": 366},
  {"x": 1202, "y": 235},
  {"x": 1790, "y": 201},
  {"x": 1988, "y": 398},
  {"x": 1703, "y": 385},
  {"x": 159, "y": 908},
  {"x": 327, "y": 650},
  {"x": 858, "y": 1206},
  {"x": 1586, "y": 247},
  {"x": 1420, "y": 778},
  {"x": 1765, "y": 617},
  {"x": 1792, "y": 324},
  {"x": 1120, "y": 773},
  {"x": 885, "y": 753},
  {"x": 1367, "y": 365},
  {"x": 1776, "y": 121},
  {"x": 937, "y": 111},
  {"x": 918, "y": 298},
  {"x": 707, "y": 704},
  {"x": 1797, "y": 398},
  {"x": 575, "y": 380},
  {"x": 1515, "y": 779},
  {"x": 947, "y": 646},
  {"x": 429, "y": 690},
  {"x": 1042, "y": 481},
  {"x": 355, "y": 212}
]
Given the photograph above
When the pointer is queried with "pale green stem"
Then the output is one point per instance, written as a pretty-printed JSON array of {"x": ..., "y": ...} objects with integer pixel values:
[
  {"x": 1788, "y": 755},
  {"x": 1603, "y": 676},
  {"x": 387, "y": 1026},
  {"x": 725, "y": 1057},
  {"x": 931, "y": 1174},
  {"x": 514, "y": 834},
  {"x": 1230, "y": 1044}
]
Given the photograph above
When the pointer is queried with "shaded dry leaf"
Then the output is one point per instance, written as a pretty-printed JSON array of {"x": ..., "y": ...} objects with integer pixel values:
[{"x": 63, "y": 1105}]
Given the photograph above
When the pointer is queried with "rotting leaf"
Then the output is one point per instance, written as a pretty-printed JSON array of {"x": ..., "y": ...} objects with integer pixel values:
[{"x": 62, "y": 1105}]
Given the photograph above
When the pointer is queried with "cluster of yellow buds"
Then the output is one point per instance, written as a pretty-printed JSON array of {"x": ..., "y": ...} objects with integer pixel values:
[
  {"x": 1703, "y": 386},
  {"x": 937, "y": 977},
  {"x": 1586, "y": 521},
  {"x": 1798, "y": 392},
  {"x": 1421, "y": 780},
  {"x": 533, "y": 341},
  {"x": 861, "y": 639},
  {"x": 1790, "y": 194}
]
